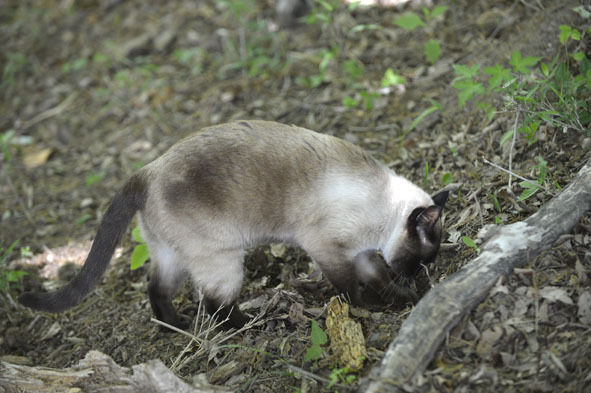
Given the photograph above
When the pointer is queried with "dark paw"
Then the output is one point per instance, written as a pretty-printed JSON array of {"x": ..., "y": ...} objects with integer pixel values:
[{"x": 182, "y": 322}]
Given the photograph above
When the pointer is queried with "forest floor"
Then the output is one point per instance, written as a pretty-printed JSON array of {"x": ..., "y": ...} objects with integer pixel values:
[{"x": 93, "y": 90}]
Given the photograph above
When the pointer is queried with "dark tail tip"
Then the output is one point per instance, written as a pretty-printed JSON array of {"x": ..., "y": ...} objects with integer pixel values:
[
  {"x": 30, "y": 299},
  {"x": 49, "y": 302}
]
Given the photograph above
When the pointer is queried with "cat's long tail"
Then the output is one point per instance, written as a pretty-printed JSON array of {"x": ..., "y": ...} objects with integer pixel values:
[{"x": 130, "y": 199}]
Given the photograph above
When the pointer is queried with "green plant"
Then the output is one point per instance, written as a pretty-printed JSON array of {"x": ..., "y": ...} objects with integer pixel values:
[
  {"x": 75, "y": 65},
  {"x": 10, "y": 144},
  {"x": 392, "y": 79},
  {"x": 341, "y": 375},
  {"x": 410, "y": 21},
  {"x": 8, "y": 278},
  {"x": 249, "y": 47},
  {"x": 447, "y": 178},
  {"x": 556, "y": 94},
  {"x": 465, "y": 82},
  {"x": 530, "y": 187},
  {"x": 15, "y": 62},
  {"x": 322, "y": 13},
  {"x": 326, "y": 56},
  {"x": 426, "y": 175},
  {"x": 7, "y": 146},
  {"x": 435, "y": 106},
  {"x": 140, "y": 253},
  {"x": 468, "y": 241},
  {"x": 94, "y": 178},
  {"x": 497, "y": 205},
  {"x": 318, "y": 338}
]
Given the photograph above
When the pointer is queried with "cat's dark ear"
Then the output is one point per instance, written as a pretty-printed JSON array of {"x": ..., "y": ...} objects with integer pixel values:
[
  {"x": 425, "y": 218},
  {"x": 440, "y": 198}
]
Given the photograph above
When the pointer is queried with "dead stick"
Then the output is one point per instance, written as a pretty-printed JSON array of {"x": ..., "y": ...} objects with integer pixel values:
[{"x": 447, "y": 303}]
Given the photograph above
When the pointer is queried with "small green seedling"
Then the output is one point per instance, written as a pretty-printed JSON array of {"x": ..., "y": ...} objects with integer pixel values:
[
  {"x": 468, "y": 241},
  {"x": 392, "y": 79},
  {"x": 94, "y": 178},
  {"x": 410, "y": 21},
  {"x": 530, "y": 188},
  {"x": 140, "y": 253},
  {"x": 447, "y": 178},
  {"x": 318, "y": 338},
  {"x": 8, "y": 277},
  {"x": 341, "y": 375},
  {"x": 435, "y": 106}
]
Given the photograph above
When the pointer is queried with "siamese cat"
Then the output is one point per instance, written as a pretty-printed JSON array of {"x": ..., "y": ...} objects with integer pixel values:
[{"x": 234, "y": 185}]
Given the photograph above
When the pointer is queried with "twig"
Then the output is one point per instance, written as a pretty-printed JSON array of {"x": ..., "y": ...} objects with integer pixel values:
[
  {"x": 56, "y": 110},
  {"x": 516, "y": 175},
  {"x": 308, "y": 374}
]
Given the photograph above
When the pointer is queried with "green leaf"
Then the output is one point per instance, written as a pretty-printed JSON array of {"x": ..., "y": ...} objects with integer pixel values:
[
  {"x": 353, "y": 70},
  {"x": 465, "y": 72},
  {"x": 522, "y": 65},
  {"x": 313, "y": 353},
  {"x": 447, "y": 178},
  {"x": 529, "y": 189},
  {"x": 432, "y": 51},
  {"x": 565, "y": 31},
  {"x": 83, "y": 219},
  {"x": 136, "y": 234},
  {"x": 435, "y": 106},
  {"x": 468, "y": 89},
  {"x": 326, "y": 5},
  {"x": 350, "y": 102},
  {"x": 14, "y": 275},
  {"x": 99, "y": 57},
  {"x": 542, "y": 168},
  {"x": 578, "y": 56},
  {"x": 139, "y": 256},
  {"x": 545, "y": 69},
  {"x": 495, "y": 200},
  {"x": 506, "y": 136},
  {"x": 438, "y": 10},
  {"x": 469, "y": 242},
  {"x": 392, "y": 79},
  {"x": 498, "y": 74},
  {"x": 94, "y": 178},
  {"x": 409, "y": 21},
  {"x": 317, "y": 335},
  {"x": 368, "y": 98},
  {"x": 359, "y": 28}
]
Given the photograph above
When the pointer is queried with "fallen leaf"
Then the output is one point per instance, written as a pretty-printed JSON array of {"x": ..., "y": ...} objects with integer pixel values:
[
  {"x": 35, "y": 157},
  {"x": 584, "y": 311},
  {"x": 554, "y": 294},
  {"x": 488, "y": 339}
]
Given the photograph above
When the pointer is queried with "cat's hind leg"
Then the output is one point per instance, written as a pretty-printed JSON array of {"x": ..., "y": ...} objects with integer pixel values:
[{"x": 219, "y": 276}]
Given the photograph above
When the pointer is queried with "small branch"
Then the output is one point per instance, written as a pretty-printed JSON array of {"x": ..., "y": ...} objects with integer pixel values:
[
  {"x": 56, "y": 110},
  {"x": 444, "y": 306},
  {"x": 511, "y": 173}
]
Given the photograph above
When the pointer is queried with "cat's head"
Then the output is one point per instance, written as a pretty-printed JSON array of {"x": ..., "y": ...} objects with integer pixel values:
[{"x": 421, "y": 239}]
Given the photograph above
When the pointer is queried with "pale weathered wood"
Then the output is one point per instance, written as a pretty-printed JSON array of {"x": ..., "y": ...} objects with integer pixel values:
[
  {"x": 97, "y": 372},
  {"x": 446, "y": 304}
]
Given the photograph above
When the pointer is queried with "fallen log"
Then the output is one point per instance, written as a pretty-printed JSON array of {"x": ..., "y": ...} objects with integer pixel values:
[
  {"x": 447, "y": 303},
  {"x": 97, "y": 372}
]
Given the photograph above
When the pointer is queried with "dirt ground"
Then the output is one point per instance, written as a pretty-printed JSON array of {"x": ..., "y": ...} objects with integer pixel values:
[{"x": 93, "y": 90}]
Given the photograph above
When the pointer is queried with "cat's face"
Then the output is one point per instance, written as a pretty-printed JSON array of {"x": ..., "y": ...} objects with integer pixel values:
[{"x": 421, "y": 238}]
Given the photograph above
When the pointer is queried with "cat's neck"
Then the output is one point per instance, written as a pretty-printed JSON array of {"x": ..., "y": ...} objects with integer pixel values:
[{"x": 403, "y": 196}]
